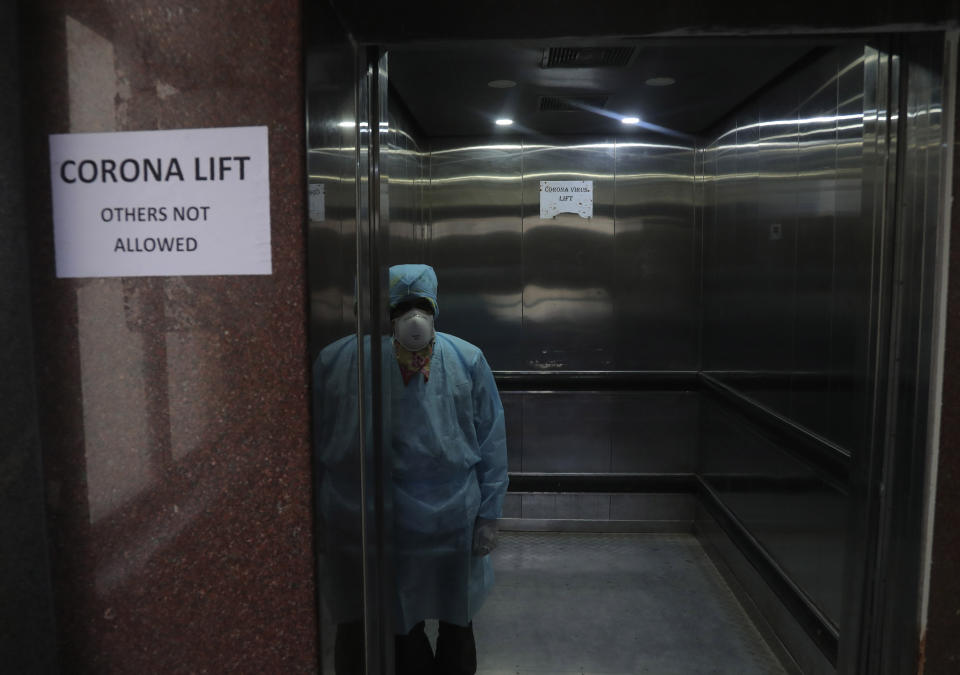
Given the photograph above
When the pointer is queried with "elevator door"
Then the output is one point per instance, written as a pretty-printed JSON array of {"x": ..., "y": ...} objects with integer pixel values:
[
  {"x": 586, "y": 326},
  {"x": 347, "y": 247}
]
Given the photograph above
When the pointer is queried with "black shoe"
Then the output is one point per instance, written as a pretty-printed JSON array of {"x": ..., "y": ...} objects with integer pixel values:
[
  {"x": 414, "y": 653},
  {"x": 456, "y": 650}
]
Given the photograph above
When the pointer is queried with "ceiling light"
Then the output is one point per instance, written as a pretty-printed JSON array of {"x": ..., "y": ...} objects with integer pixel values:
[
  {"x": 630, "y": 120},
  {"x": 501, "y": 84},
  {"x": 504, "y": 122},
  {"x": 346, "y": 124},
  {"x": 661, "y": 81}
]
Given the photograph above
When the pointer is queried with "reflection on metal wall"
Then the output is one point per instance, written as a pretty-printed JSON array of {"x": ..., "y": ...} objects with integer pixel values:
[
  {"x": 617, "y": 291},
  {"x": 332, "y": 162},
  {"x": 787, "y": 253},
  {"x": 614, "y": 292},
  {"x": 786, "y": 287},
  {"x": 591, "y": 432},
  {"x": 796, "y": 516},
  {"x": 402, "y": 180},
  {"x": 476, "y": 238},
  {"x": 656, "y": 264},
  {"x": 332, "y": 234},
  {"x": 569, "y": 280}
]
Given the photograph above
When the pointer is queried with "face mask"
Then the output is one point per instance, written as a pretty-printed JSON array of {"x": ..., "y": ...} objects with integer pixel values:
[{"x": 414, "y": 329}]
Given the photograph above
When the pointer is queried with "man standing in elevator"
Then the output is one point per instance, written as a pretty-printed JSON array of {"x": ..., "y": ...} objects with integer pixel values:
[{"x": 449, "y": 476}]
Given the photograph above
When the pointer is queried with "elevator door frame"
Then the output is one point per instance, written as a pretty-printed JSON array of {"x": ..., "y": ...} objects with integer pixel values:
[{"x": 888, "y": 555}]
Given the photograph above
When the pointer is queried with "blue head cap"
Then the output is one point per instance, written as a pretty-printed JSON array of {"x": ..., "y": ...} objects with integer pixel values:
[{"x": 413, "y": 281}]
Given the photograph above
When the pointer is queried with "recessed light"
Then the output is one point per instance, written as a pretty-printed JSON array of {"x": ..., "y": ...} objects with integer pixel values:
[
  {"x": 501, "y": 84},
  {"x": 346, "y": 124},
  {"x": 661, "y": 81},
  {"x": 630, "y": 120},
  {"x": 504, "y": 122}
]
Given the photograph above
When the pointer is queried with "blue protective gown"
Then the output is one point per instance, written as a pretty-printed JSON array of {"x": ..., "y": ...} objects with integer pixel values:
[
  {"x": 337, "y": 475},
  {"x": 449, "y": 466}
]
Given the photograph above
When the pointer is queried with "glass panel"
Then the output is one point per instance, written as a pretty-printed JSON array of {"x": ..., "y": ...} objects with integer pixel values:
[{"x": 338, "y": 219}]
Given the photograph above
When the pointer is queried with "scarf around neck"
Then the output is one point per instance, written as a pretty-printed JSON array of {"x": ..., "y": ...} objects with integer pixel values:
[{"x": 412, "y": 363}]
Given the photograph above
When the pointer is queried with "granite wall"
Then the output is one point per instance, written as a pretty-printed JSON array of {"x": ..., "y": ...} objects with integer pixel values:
[{"x": 173, "y": 411}]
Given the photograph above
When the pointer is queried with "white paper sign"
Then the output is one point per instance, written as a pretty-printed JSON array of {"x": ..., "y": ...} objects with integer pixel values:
[
  {"x": 161, "y": 203},
  {"x": 317, "y": 199},
  {"x": 566, "y": 196}
]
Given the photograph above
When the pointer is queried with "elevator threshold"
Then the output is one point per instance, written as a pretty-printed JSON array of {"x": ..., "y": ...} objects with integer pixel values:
[{"x": 613, "y": 604}]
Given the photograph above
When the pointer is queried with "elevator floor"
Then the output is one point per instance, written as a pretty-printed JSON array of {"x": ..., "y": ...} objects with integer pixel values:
[{"x": 613, "y": 604}]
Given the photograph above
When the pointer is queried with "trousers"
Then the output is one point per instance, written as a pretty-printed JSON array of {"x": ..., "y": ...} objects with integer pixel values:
[{"x": 456, "y": 650}]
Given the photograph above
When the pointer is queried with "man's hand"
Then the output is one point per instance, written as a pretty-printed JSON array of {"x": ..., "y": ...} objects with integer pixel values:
[{"x": 484, "y": 536}]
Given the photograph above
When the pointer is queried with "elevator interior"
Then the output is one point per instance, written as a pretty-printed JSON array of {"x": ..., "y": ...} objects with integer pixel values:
[{"x": 736, "y": 343}]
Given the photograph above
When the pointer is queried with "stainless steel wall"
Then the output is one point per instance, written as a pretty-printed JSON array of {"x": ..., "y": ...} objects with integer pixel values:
[
  {"x": 646, "y": 432},
  {"x": 332, "y": 163},
  {"x": 616, "y": 292},
  {"x": 797, "y": 517},
  {"x": 786, "y": 280},
  {"x": 332, "y": 234},
  {"x": 403, "y": 178},
  {"x": 476, "y": 244},
  {"x": 787, "y": 250}
]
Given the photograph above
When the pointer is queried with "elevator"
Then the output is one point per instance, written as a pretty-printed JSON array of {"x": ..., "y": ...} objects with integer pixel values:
[{"x": 725, "y": 374}]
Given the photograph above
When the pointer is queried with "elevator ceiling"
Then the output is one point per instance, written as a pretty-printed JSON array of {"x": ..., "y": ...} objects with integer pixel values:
[{"x": 585, "y": 87}]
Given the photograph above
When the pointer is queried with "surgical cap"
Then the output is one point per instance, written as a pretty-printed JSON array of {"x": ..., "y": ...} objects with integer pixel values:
[{"x": 408, "y": 282}]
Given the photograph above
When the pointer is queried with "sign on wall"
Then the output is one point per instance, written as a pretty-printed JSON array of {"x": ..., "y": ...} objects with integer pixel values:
[
  {"x": 317, "y": 201},
  {"x": 566, "y": 196},
  {"x": 161, "y": 203}
]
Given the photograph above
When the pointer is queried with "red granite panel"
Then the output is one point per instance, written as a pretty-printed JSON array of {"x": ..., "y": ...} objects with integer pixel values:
[
  {"x": 942, "y": 650},
  {"x": 175, "y": 410}
]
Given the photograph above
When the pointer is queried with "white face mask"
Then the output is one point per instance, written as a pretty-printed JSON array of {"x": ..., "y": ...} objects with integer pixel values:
[{"x": 414, "y": 329}]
